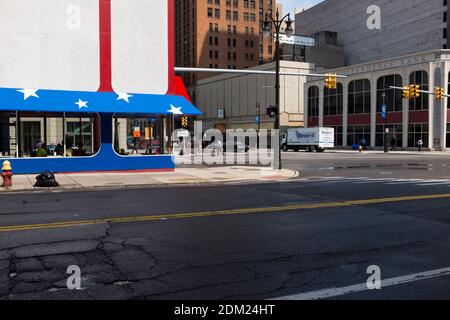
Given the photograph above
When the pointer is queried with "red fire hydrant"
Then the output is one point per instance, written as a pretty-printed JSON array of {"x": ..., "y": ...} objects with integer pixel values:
[{"x": 7, "y": 174}]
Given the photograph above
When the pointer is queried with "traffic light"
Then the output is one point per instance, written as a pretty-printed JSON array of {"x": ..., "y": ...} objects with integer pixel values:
[
  {"x": 330, "y": 81},
  {"x": 184, "y": 122},
  {"x": 440, "y": 94},
  {"x": 406, "y": 93},
  {"x": 272, "y": 112},
  {"x": 414, "y": 91}
]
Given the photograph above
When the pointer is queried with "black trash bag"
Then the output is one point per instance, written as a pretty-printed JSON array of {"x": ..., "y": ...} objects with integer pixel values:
[{"x": 46, "y": 180}]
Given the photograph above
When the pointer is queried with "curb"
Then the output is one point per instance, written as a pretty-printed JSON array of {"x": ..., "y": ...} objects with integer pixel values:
[{"x": 295, "y": 174}]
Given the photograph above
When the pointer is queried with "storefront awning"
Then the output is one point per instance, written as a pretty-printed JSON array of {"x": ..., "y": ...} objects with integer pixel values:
[{"x": 79, "y": 101}]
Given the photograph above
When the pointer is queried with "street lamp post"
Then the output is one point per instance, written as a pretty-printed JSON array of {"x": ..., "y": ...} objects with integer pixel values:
[{"x": 267, "y": 29}]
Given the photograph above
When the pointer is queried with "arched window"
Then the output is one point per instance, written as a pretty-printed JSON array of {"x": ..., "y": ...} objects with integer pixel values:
[
  {"x": 420, "y": 78},
  {"x": 359, "y": 100},
  {"x": 313, "y": 101},
  {"x": 448, "y": 100},
  {"x": 394, "y": 99},
  {"x": 333, "y": 101}
]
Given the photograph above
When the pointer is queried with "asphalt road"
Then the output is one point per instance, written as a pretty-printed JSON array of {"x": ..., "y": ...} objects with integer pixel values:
[
  {"x": 375, "y": 165},
  {"x": 265, "y": 241}
]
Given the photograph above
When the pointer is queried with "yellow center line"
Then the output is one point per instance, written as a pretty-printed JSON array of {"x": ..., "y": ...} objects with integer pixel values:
[{"x": 178, "y": 216}]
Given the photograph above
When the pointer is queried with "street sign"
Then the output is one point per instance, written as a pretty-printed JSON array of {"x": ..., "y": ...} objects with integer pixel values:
[
  {"x": 258, "y": 120},
  {"x": 298, "y": 40},
  {"x": 136, "y": 132},
  {"x": 384, "y": 111}
]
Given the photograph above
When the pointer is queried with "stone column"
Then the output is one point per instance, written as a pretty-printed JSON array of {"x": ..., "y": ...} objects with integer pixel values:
[
  {"x": 373, "y": 113},
  {"x": 345, "y": 114}
]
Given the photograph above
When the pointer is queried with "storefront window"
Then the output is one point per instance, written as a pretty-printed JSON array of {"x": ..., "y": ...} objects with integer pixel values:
[
  {"x": 80, "y": 136},
  {"x": 313, "y": 101},
  {"x": 393, "y": 138},
  {"x": 8, "y": 137},
  {"x": 357, "y": 133},
  {"x": 416, "y": 132},
  {"x": 333, "y": 101},
  {"x": 142, "y": 135},
  {"x": 37, "y": 134},
  {"x": 359, "y": 101},
  {"x": 420, "y": 78},
  {"x": 394, "y": 98}
]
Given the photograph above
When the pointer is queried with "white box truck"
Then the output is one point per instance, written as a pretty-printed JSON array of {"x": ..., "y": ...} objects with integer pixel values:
[{"x": 308, "y": 139}]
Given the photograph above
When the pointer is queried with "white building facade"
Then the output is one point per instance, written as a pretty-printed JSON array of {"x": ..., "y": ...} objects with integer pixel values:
[
  {"x": 354, "y": 108},
  {"x": 236, "y": 101}
]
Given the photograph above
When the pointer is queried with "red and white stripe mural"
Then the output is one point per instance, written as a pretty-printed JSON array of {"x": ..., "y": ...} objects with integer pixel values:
[{"x": 87, "y": 45}]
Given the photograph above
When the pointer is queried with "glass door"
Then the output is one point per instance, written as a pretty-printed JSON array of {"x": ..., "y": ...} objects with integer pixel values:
[{"x": 31, "y": 137}]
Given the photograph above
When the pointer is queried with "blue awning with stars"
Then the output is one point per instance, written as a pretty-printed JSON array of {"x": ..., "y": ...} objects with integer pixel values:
[{"x": 80, "y": 101}]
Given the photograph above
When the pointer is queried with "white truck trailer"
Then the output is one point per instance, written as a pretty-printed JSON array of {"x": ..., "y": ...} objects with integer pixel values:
[{"x": 309, "y": 139}]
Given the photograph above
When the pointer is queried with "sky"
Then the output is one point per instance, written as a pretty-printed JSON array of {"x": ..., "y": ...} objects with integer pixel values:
[{"x": 289, "y": 5}]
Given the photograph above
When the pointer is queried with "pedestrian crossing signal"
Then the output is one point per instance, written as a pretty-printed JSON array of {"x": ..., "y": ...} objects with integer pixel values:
[
  {"x": 414, "y": 91},
  {"x": 330, "y": 81},
  {"x": 440, "y": 94},
  {"x": 406, "y": 93}
]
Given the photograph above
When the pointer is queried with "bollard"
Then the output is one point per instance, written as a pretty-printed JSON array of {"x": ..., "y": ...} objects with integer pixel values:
[{"x": 7, "y": 174}]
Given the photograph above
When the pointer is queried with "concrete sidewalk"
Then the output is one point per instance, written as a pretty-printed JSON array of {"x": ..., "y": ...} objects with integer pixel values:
[{"x": 181, "y": 176}]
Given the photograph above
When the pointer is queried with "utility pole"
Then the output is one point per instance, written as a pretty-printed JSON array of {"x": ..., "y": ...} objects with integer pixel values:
[{"x": 277, "y": 22}]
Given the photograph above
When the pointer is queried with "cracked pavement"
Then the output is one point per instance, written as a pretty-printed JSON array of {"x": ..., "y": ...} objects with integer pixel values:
[{"x": 245, "y": 256}]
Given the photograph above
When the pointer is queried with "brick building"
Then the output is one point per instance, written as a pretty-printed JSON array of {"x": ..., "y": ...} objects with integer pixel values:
[{"x": 225, "y": 34}]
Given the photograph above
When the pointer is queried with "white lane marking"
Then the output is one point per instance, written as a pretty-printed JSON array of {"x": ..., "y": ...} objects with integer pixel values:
[
  {"x": 336, "y": 292},
  {"x": 411, "y": 181},
  {"x": 350, "y": 180},
  {"x": 433, "y": 184},
  {"x": 375, "y": 181}
]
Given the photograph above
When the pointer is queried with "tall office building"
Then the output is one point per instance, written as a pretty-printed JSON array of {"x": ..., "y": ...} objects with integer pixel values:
[
  {"x": 386, "y": 43},
  {"x": 225, "y": 34},
  {"x": 406, "y": 26}
]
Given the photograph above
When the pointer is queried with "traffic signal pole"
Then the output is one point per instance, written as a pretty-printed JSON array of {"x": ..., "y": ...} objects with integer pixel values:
[{"x": 422, "y": 91}]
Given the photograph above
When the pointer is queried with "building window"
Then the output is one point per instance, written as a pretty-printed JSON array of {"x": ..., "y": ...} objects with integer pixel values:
[
  {"x": 355, "y": 134},
  {"x": 8, "y": 134},
  {"x": 416, "y": 132},
  {"x": 448, "y": 136},
  {"x": 394, "y": 99},
  {"x": 313, "y": 101},
  {"x": 359, "y": 97},
  {"x": 142, "y": 135},
  {"x": 393, "y": 138},
  {"x": 420, "y": 78},
  {"x": 33, "y": 134},
  {"x": 333, "y": 101}
]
